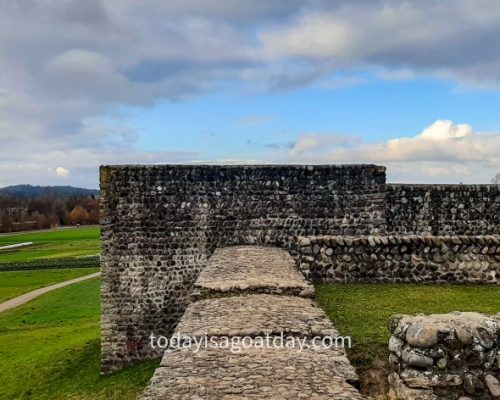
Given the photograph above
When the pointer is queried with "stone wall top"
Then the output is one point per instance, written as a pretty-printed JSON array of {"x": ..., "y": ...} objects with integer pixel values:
[
  {"x": 445, "y": 186},
  {"x": 375, "y": 240}
]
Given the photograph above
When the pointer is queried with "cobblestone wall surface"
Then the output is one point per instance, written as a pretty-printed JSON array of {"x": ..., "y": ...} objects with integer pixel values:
[
  {"x": 160, "y": 223},
  {"x": 445, "y": 357},
  {"x": 443, "y": 209},
  {"x": 399, "y": 259}
]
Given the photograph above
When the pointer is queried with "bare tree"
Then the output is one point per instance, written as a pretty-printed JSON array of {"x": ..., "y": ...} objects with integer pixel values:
[{"x": 496, "y": 179}]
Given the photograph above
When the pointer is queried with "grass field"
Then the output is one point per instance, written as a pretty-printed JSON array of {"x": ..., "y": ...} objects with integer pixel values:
[
  {"x": 362, "y": 311},
  {"x": 50, "y": 347},
  {"x": 50, "y": 350},
  {"x": 15, "y": 283},
  {"x": 63, "y": 243}
]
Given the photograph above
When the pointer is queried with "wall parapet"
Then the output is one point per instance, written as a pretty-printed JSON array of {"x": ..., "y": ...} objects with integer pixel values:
[{"x": 399, "y": 259}]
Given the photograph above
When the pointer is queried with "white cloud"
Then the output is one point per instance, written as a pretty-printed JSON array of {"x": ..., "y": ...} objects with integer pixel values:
[
  {"x": 445, "y": 38},
  {"x": 75, "y": 63},
  {"x": 313, "y": 36},
  {"x": 103, "y": 141},
  {"x": 62, "y": 172},
  {"x": 82, "y": 61},
  {"x": 443, "y": 152},
  {"x": 395, "y": 74},
  {"x": 342, "y": 82},
  {"x": 443, "y": 130}
]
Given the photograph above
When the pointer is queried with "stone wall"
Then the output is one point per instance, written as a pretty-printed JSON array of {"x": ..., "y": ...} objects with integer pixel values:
[
  {"x": 160, "y": 223},
  {"x": 445, "y": 356},
  {"x": 443, "y": 209},
  {"x": 399, "y": 259}
]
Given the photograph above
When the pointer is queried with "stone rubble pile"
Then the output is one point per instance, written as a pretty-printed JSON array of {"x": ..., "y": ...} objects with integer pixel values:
[{"x": 452, "y": 356}]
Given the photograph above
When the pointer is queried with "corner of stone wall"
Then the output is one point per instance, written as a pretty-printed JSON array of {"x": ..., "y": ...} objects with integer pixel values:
[
  {"x": 104, "y": 174},
  {"x": 105, "y": 264}
]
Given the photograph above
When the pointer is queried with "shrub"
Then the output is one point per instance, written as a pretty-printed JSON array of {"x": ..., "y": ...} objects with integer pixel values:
[{"x": 50, "y": 263}]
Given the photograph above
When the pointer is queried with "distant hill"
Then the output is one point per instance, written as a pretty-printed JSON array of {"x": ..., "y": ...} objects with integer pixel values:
[{"x": 31, "y": 192}]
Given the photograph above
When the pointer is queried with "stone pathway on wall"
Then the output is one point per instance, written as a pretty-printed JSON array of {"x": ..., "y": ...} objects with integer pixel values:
[
  {"x": 251, "y": 269},
  {"x": 253, "y": 315},
  {"x": 253, "y": 291}
]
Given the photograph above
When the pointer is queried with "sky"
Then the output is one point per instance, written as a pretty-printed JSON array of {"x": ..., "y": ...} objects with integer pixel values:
[{"x": 412, "y": 85}]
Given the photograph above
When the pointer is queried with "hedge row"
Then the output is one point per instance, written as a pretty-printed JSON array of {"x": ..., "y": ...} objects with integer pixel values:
[{"x": 50, "y": 263}]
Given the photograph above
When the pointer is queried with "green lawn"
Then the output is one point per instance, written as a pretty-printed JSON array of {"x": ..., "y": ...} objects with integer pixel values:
[
  {"x": 15, "y": 283},
  {"x": 50, "y": 350},
  {"x": 50, "y": 347},
  {"x": 62, "y": 243},
  {"x": 362, "y": 311}
]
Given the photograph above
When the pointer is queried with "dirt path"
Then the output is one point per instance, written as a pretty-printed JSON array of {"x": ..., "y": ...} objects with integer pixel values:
[{"x": 17, "y": 301}]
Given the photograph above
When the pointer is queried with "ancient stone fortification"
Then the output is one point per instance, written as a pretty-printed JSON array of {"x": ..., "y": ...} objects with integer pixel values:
[{"x": 161, "y": 223}]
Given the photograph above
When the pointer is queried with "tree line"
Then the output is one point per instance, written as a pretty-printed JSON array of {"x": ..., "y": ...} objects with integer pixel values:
[{"x": 47, "y": 212}]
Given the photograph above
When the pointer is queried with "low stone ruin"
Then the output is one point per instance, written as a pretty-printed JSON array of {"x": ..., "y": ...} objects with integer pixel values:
[
  {"x": 445, "y": 356},
  {"x": 270, "y": 298}
]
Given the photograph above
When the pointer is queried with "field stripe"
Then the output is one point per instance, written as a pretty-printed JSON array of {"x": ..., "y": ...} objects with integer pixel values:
[{"x": 13, "y": 246}]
